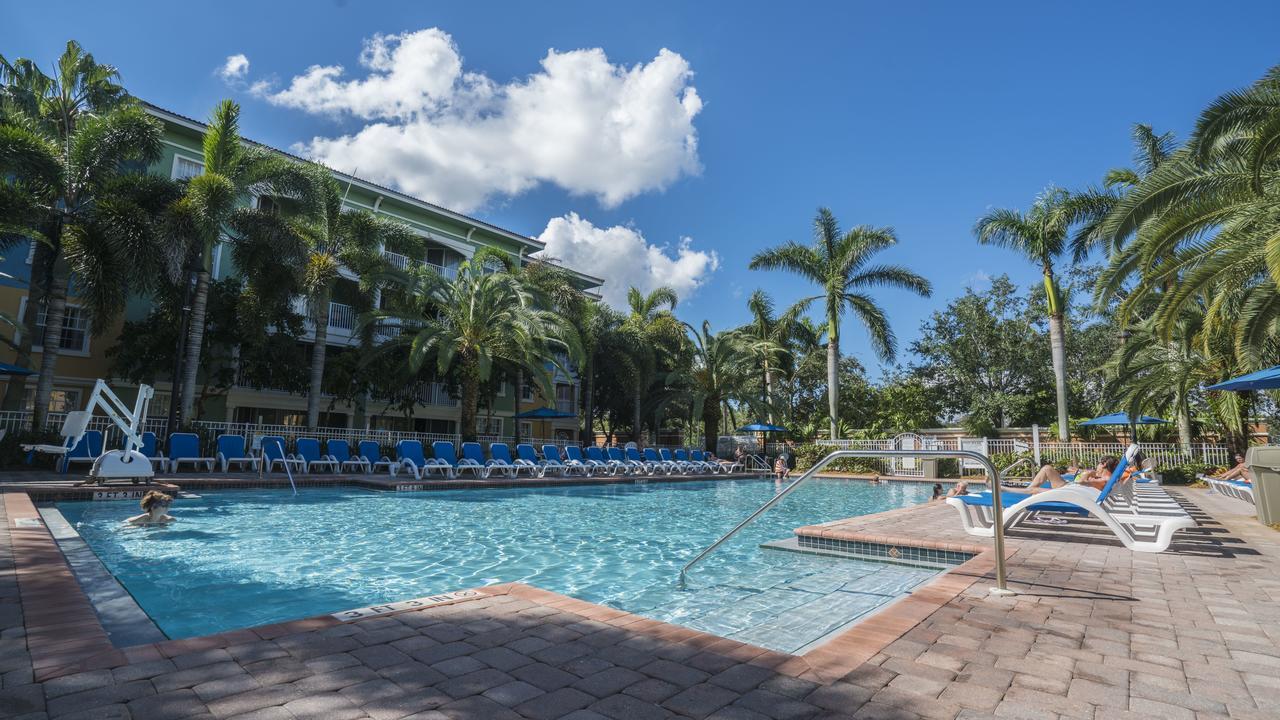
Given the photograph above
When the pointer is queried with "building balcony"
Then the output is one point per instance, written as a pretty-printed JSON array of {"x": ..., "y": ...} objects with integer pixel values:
[{"x": 403, "y": 262}]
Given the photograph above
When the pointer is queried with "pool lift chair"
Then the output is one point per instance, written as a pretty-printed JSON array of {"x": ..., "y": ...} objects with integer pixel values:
[{"x": 128, "y": 462}]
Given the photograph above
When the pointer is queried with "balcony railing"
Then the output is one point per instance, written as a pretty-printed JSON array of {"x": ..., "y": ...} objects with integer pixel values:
[
  {"x": 425, "y": 393},
  {"x": 403, "y": 262},
  {"x": 342, "y": 317}
]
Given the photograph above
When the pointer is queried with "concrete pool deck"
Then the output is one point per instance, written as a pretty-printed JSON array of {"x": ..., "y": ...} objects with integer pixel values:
[{"x": 1096, "y": 632}]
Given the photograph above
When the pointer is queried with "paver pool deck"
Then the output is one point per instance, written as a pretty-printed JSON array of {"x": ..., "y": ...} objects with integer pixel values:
[{"x": 1095, "y": 631}]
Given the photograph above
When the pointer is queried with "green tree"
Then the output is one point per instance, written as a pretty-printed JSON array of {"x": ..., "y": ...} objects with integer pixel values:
[
  {"x": 837, "y": 262},
  {"x": 70, "y": 147},
  {"x": 471, "y": 323},
  {"x": 767, "y": 340},
  {"x": 1041, "y": 235},
  {"x": 213, "y": 203},
  {"x": 649, "y": 323},
  {"x": 717, "y": 359}
]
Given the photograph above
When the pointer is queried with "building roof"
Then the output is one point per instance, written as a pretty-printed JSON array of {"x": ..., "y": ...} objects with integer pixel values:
[{"x": 193, "y": 124}]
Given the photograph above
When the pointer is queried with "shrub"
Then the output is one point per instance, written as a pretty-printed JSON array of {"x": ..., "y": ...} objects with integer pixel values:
[
  {"x": 1185, "y": 474},
  {"x": 809, "y": 453}
]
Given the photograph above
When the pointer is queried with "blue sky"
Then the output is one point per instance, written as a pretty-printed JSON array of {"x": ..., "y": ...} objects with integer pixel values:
[{"x": 920, "y": 116}]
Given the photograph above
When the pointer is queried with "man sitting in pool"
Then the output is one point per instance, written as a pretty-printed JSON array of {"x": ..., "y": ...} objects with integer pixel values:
[
  {"x": 155, "y": 506},
  {"x": 1094, "y": 478}
]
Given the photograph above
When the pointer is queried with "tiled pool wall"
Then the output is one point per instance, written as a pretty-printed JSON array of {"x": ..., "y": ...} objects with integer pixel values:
[{"x": 907, "y": 553}]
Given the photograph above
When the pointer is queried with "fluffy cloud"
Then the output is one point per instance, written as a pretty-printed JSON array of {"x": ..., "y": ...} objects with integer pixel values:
[
  {"x": 235, "y": 68},
  {"x": 623, "y": 258},
  {"x": 459, "y": 138}
]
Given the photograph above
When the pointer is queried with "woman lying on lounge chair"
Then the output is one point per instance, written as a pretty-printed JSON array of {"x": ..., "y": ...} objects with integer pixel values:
[
  {"x": 1095, "y": 478},
  {"x": 1239, "y": 472}
]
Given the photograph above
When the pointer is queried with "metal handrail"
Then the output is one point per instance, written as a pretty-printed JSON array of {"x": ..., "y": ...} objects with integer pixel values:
[
  {"x": 997, "y": 508},
  {"x": 1005, "y": 472}
]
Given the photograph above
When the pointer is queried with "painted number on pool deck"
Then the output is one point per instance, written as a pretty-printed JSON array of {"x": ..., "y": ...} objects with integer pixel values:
[
  {"x": 415, "y": 604},
  {"x": 117, "y": 494}
]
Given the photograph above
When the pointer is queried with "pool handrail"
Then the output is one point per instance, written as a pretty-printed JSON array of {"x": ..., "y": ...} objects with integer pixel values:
[{"x": 996, "y": 504}]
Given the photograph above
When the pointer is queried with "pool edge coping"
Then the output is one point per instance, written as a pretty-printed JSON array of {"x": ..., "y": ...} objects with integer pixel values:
[{"x": 75, "y": 640}]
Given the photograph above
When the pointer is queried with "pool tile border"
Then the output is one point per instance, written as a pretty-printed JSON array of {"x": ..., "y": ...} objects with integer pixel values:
[{"x": 65, "y": 635}]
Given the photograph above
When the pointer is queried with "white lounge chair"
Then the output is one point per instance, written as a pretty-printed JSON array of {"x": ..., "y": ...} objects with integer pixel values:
[{"x": 1129, "y": 519}]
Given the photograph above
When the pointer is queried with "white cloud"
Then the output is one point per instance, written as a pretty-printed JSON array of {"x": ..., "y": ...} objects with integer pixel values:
[
  {"x": 459, "y": 138},
  {"x": 623, "y": 258},
  {"x": 235, "y": 68}
]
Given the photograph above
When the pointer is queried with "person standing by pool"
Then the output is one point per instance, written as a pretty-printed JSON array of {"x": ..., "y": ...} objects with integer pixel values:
[
  {"x": 155, "y": 507},
  {"x": 789, "y": 452}
]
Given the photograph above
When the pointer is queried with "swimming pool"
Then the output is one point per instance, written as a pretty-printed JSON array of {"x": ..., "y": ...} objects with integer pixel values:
[{"x": 247, "y": 557}]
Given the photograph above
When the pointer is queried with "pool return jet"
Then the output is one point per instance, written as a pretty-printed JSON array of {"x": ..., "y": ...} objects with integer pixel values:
[
  {"x": 124, "y": 463},
  {"x": 997, "y": 507}
]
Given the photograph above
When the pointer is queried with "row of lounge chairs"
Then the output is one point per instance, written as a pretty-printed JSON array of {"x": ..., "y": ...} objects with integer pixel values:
[
  {"x": 1139, "y": 512},
  {"x": 1239, "y": 489},
  {"x": 231, "y": 453}
]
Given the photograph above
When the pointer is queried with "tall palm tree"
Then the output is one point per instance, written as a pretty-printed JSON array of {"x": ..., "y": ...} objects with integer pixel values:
[
  {"x": 471, "y": 323},
  {"x": 838, "y": 263},
  {"x": 717, "y": 360},
  {"x": 767, "y": 339},
  {"x": 1041, "y": 235},
  {"x": 650, "y": 315},
  {"x": 213, "y": 200},
  {"x": 334, "y": 238},
  {"x": 66, "y": 145}
]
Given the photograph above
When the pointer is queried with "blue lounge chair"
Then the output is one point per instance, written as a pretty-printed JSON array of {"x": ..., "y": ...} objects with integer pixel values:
[
  {"x": 657, "y": 462},
  {"x": 411, "y": 457},
  {"x": 340, "y": 452},
  {"x": 309, "y": 451},
  {"x": 596, "y": 454},
  {"x": 446, "y": 453},
  {"x": 700, "y": 456},
  {"x": 552, "y": 455},
  {"x": 150, "y": 449},
  {"x": 527, "y": 453},
  {"x": 629, "y": 467},
  {"x": 573, "y": 454},
  {"x": 231, "y": 452},
  {"x": 273, "y": 453},
  {"x": 472, "y": 452},
  {"x": 696, "y": 465},
  {"x": 371, "y": 454},
  {"x": 185, "y": 448},
  {"x": 1136, "y": 526},
  {"x": 85, "y": 451},
  {"x": 501, "y": 454},
  {"x": 634, "y": 458},
  {"x": 682, "y": 466}
]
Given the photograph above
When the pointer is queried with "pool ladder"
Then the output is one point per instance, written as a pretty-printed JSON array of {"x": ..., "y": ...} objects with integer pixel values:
[{"x": 996, "y": 503}]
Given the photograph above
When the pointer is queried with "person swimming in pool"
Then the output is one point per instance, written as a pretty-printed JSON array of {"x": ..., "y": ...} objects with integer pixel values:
[
  {"x": 155, "y": 509},
  {"x": 937, "y": 492}
]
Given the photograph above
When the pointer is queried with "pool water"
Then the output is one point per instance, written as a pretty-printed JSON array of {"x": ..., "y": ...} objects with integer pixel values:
[{"x": 246, "y": 557}]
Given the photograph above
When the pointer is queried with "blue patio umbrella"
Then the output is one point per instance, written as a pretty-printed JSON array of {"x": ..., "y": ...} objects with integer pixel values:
[
  {"x": 761, "y": 427},
  {"x": 1261, "y": 380},
  {"x": 1123, "y": 419},
  {"x": 9, "y": 369},
  {"x": 544, "y": 413}
]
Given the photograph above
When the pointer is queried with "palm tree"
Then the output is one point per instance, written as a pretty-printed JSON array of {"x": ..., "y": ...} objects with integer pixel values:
[
  {"x": 212, "y": 202},
  {"x": 767, "y": 339},
  {"x": 648, "y": 316},
  {"x": 471, "y": 323},
  {"x": 838, "y": 263},
  {"x": 1042, "y": 235},
  {"x": 716, "y": 363},
  {"x": 66, "y": 142},
  {"x": 334, "y": 238}
]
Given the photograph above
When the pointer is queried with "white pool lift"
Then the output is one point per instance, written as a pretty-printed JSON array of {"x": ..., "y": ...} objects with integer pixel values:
[{"x": 127, "y": 463}]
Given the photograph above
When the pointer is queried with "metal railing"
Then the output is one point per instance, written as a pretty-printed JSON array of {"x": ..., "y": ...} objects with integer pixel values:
[
  {"x": 342, "y": 317},
  {"x": 404, "y": 262},
  {"x": 997, "y": 508}
]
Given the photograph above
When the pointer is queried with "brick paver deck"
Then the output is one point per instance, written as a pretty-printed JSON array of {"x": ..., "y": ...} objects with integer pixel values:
[{"x": 1096, "y": 632}]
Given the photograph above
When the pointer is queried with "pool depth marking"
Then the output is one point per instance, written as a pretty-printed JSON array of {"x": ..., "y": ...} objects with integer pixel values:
[{"x": 415, "y": 604}]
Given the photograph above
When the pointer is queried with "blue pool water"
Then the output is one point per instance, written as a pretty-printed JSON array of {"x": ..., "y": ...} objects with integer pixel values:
[{"x": 247, "y": 557}]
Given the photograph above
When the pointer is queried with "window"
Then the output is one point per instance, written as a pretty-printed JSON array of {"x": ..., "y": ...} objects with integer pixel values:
[
  {"x": 526, "y": 429},
  {"x": 267, "y": 204},
  {"x": 489, "y": 426},
  {"x": 185, "y": 167},
  {"x": 435, "y": 256},
  {"x": 60, "y": 401},
  {"x": 526, "y": 392},
  {"x": 75, "y": 329}
]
